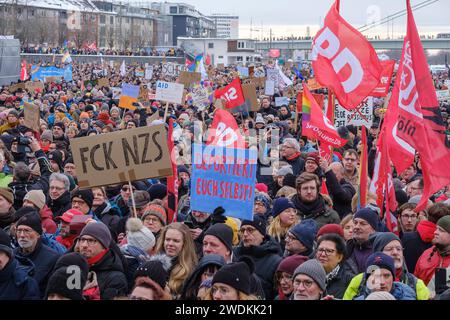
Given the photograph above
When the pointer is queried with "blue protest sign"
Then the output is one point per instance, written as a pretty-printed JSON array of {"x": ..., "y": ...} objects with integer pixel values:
[
  {"x": 225, "y": 178},
  {"x": 40, "y": 73}
]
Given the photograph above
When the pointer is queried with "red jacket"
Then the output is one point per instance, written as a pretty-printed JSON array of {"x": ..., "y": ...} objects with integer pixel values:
[{"x": 428, "y": 262}]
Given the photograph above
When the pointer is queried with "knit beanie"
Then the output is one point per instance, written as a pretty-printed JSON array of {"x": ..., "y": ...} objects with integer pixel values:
[
  {"x": 280, "y": 205},
  {"x": 36, "y": 197},
  {"x": 24, "y": 211},
  {"x": 98, "y": 231},
  {"x": 32, "y": 220},
  {"x": 156, "y": 210},
  {"x": 289, "y": 180},
  {"x": 183, "y": 168},
  {"x": 258, "y": 223},
  {"x": 141, "y": 199},
  {"x": 157, "y": 191},
  {"x": 314, "y": 270},
  {"x": 7, "y": 194},
  {"x": 380, "y": 295},
  {"x": 5, "y": 243},
  {"x": 73, "y": 259},
  {"x": 261, "y": 187},
  {"x": 60, "y": 125},
  {"x": 237, "y": 275},
  {"x": 444, "y": 223},
  {"x": 85, "y": 195},
  {"x": 291, "y": 263},
  {"x": 284, "y": 170},
  {"x": 57, "y": 284},
  {"x": 380, "y": 260},
  {"x": 222, "y": 232},
  {"x": 114, "y": 109},
  {"x": 138, "y": 235},
  {"x": 305, "y": 232},
  {"x": 382, "y": 239},
  {"x": 369, "y": 215},
  {"x": 57, "y": 157},
  {"x": 47, "y": 135},
  {"x": 265, "y": 200},
  {"x": 313, "y": 156},
  {"x": 330, "y": 228},
  {"x": 157, "y": 269}
]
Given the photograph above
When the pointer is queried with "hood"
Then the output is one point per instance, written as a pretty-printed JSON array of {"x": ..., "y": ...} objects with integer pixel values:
[
  {"x": 426, "y": 231},
  {"x": 269, "y": 246}
]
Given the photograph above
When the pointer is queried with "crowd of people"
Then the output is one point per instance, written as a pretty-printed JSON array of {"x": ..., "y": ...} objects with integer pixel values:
[
  {"x": 302, "y": 243},
  {"x": 151, "y": 52}
]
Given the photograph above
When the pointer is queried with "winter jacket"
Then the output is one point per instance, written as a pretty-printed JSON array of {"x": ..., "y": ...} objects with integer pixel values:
[
  {"x": 266, "y": 257},
  {"x": 429, "y": 261},
  {"x": 16, "y": 283},
  {"x": 417, "y": 285},
  {"x": 297, "y": 163},
  {"x": 317, "y": 210},
  {"x": 47, "y": 220},
  {"x": 60, "y": 205},
  {"x": 357, "y": 255},
  {"x": 135, "y": 257},
  {"x": 7, "y": 219},
  {"x": 341, "y": 192},
  {"x": 353, "y": 180},
  {"x": 338, "y": 280},
  {"x": 399, "y": 290},
  {"x": 109, "y": 216},
  {"x": 5, "y": 180},
  {"x": 415, "y": 243},
  {"x": 194, "y": 224},
  {"x": 44, "y": 259}
]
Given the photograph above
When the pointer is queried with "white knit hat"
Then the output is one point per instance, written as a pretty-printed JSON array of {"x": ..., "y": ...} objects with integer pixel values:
[
  {"x": 380, "y": 295},
  {"x": 139, "y": 236},
  {"x": 37, "y": 197}
]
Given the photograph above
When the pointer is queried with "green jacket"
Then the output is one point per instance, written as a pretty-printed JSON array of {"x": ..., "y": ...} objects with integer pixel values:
[
  {"x": 5, "y": 180},
  {"x": 353, "y": 288}
]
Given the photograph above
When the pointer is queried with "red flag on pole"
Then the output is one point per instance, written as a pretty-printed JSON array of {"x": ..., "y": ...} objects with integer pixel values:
[
  {"x": 172, "y": 181},
  {"x": 23, "y": 71},
  {"x": 344, "y": 60},
  {"x": 420, "y": 122},
  {"x": 224, "y": 131},
  {"x": 232, "y": 94}
]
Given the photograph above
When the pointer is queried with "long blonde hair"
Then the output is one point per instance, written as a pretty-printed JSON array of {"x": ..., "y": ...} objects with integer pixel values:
[
  {"x": 241, "y": 296},
  {"x": 187, "y": 258},
  {"x": 277, "y": 231}
]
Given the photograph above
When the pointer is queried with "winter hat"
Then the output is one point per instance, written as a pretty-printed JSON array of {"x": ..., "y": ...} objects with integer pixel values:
[
  {"x": 157, "y": 269},
  {"x": 289, "y": 180},
  {"x": 157, "y": 191},
  {"x": 291, "y": 263},
  {"x": 5, "y": 243},
  {"x": 444, "y": 223},
  {"x": 280, "y": 205},
  {"x": 57, "y": 284},
  {"x": 85, "y": 195},
  {"x": 31, "y": 220},
  {"x": 183, "y": 168},
  {"x": 343, "y": 132},
  {"x": 380, "y": 295},
  {"x": 415, "y": 199},
  {"x": 237, "y": 275},
  {"x": 60, "y": 125},
  {"x": 7, "y": 194},
  {"x": 222, "y": 232},
  {"x": 139, "y": 236},
  {"x": 36, "y": 197},
  {"x": 313, "y": 269},
  {"x": 156, "y": 210},
  {"x": 57, "y": 157},
  {"x": 47, "y": 135},
  {"x": 330, "y": 228},
  {"x": 261, "y": 187},
  {"x": 14, "y": 112},
  {"x": 382, "y": 239},
  {"x": 380, "y": 260},
  {"x": 258, "y": 223},
  {"x": 24, "y": 211},
  {"x": 352, "y": 129},
  {"x": 73, "y": 259},
  {"x": 369, "y": 215},
  {"x": 259, "y": 119},
  {"x": 98, "y": 231},
  {"x": 261, "y": 197},
  {"x": 305, "y": 232},
  {"x": 68, "y": 215},
  {"x": 313, "y": 156},
  {"x": 114, "y": 109},
  {"x": 284, "y": 170},
  {"x": 141, "y": 199}
]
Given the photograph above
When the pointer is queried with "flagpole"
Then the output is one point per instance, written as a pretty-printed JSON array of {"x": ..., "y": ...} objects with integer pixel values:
[
  {"x": 132, "y": 199},
  {"x": 166, "y": 112}
]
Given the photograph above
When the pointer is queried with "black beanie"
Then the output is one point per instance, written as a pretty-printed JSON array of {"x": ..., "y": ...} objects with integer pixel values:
[
  {"x": 60, "y": 125},
  {"x": 74, "y": 259},
  {"x": 85, "y": 195},
  {"x": 258, "y": 223},
  {"x": 58, "y": 284},
  {"x": 222, "y": 232},
  {"x": 289, "y": 180},
  {"x": 57, "y": 157},
  {"x": 24, "y": 211},
  {"x": 31, "y": 220},
  {"x": 237, "y": 275},
  {"x": 157, "y": 269}
]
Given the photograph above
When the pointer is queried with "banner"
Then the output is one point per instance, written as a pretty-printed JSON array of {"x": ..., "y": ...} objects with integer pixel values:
[
  {"x": 200, "y": 96},
  {"x": 243, "y": 72},
  {"x": 232, "y": 94},
  {"x": 32, "y": 86},
  {"x": 382, "y": 89},
  {"x": 225, "y": 178},
  {"x": 149, "y": 73},
  {"x": 187, "y": 78},
  {"x": 122, "y": 156},
  {"x": 361, "y": 116},
  {"x": 40, "y": 73},
  {"x": 169, "y": 92}
]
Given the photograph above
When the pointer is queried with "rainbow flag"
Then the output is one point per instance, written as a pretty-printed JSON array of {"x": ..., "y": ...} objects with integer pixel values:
[{"x": 306, "y": 115}]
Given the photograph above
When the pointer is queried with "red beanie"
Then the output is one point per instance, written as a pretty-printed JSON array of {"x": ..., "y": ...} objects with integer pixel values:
[
  {"x": 330, "y": 228},
  {"x": 261, "y": 187},
  {"x": 291, "y": 263}
]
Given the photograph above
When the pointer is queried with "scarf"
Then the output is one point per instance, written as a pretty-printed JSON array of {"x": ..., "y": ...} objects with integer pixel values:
[
  {"x": 97, "y": 258},
  {"x": 310, "y": 210},
  {"x": 6, "y": 220},
  {"x": 333, "y": 274},
  {"x": 294, "y": 156}
]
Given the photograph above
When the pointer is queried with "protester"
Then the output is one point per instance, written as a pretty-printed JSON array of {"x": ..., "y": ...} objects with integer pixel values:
[
  {"x": 309, "y": 281},
  {"x": 284, "y": 216},
  {"x": 284, "y": 273}
]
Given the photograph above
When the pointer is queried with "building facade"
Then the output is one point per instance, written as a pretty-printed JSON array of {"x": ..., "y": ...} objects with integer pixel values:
[{"x": 227, "y": 26}]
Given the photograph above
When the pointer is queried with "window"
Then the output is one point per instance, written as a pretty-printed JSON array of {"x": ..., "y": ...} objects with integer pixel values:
[
  {"x": 111, "y": 20},
  {"x": 102, "y": 19},
  {"x": 220, "y": 57},
  {"x": 173, "y": 10},
  {"x": 210, "y": 45}
]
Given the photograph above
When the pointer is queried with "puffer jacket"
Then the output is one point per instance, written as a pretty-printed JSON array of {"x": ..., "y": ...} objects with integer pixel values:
[
  {"x": 415, "y": 243},
  {"x": 429, "y": 261},
  {"x": 16, "y": 283},
  {"x": 399, "y": 290},
  {"x": 266, "y": 257}
]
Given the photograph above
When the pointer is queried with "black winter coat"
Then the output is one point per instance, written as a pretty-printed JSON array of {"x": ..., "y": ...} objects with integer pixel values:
[
  {"x": 266, "y": 257},
  {"x": 341, "y": 192},
  {"x": 110, "y": 217},
  {"x": 16, "y": 283},
  {"x": 60, "y": 205},
  {"x": 297, "y": 164},
  {"x": 337, "y": 284}
]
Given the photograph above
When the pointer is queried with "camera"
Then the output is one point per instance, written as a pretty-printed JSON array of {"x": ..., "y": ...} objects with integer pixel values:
[{"x": 23, "y": 144}]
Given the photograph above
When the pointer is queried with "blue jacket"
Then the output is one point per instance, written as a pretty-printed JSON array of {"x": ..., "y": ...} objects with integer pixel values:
[
  {"x": 44, "y": 259},
  {"x": 400, "y": 291},
  {"x": 16, "y": 283}
]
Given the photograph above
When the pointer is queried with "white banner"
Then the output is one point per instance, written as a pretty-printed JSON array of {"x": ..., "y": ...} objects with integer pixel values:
[
  {"x": 363, "y": 115},
  {"x": 169, "y": 92},
  {"x": 148, "y": 72},
  {"x": 443, "y": 94},
  {"x": 173, "y": 69}
]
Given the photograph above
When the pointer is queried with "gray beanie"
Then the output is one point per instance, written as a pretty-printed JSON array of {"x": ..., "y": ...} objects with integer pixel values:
[
  {"x": 382, "y": 239},
  {"x": 285, "y": 170},
  {"x": 313, "y": 269},
  {"x": 98, "y": 231}
]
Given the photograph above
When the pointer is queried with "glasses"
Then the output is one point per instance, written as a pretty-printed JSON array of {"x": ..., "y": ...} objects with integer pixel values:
[
  {"x": 409, "y": 217},
  {"x": 26, "y": 232},
  {"x": 249, "y": 230},
  {"x": 89, "y": 242},
  {"x": 327, "y": 252},
  {"x": 151, "y": 220},
  {"x": 79, "y": 202},
  {"x": 289, "y": 238},
  {"x": 306, "y": 283},
  {"x": 56, "y": 188}
]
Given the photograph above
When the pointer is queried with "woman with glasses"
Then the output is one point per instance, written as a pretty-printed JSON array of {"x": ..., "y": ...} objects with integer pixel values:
[
  {"x": 283, "y": 276},
  {"x": 331, "y": 252}
]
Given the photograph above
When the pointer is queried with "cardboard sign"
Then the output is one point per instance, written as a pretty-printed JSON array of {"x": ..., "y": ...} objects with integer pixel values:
[
  {"x": 32, "y": 116},
  {"x": 143, "y": 94},
  {"x": 16, "y": 87},
  {"x": 103, "y": 82},
  {"x": 243, "y": 72},
  {"x": 270, "y": 88},
  {"x": 273, "y": 75},
  {"x": 200, "y": 96},
  {"x": 223, "y": 177},
  {"x": 52, "y": 79},
  {"x": 362, "y": 115},
  {"x": 31, "y": 86},
  {"x": 169, "y": 92},
  {"x": 280, "y": 101},
  {"x": 251, "y": 71},
  {"x": 148, "y": 73},
  {"x": 187, "y": 78},
  {"x": 443, "y": 95},
  {"x": 118, "y": 157},
  {"x": 258, "y": 82},
  {"x": 172, "y": 69},
  {"x": 251, "y": 99}
]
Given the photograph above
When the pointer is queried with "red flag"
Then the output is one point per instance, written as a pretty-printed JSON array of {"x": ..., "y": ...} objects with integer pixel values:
[
  {"x": 382, "y": 89},
  {"x": 232, "y": 94},
  {"x": 224, "y": 131},
  {"x": 363, "y": 179},
  {"x": 23, "y": 71},
  {"x": 172, "y": 181},
  {"x": 344, "y": 60},
  {"x": 319, "y": 127},
  {"x": 420, "y": 122},
  {"x": 331, "y": 106}
]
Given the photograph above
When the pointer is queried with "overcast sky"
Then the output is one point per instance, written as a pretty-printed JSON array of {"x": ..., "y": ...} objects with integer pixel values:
[{"x": 286, "y": 16}]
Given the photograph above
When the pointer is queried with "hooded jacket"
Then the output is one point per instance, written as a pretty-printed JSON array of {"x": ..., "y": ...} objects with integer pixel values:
[
  {"x": 266, "y": 257},
  {"x": 16, "y": 283},
  {"x": 415, "y": 243},
  {"x": 399, "y": 290}
]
